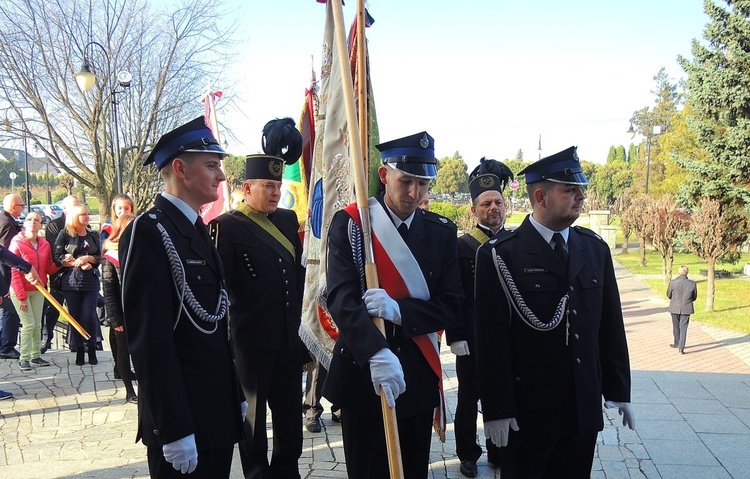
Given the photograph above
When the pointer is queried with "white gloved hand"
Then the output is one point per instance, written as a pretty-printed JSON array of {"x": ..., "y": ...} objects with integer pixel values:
[
  {"x": 499, "y": 429},
  {"x": 626, "y": 411},
  {"x": 182, "y": 454},
  {"x": 386, "y": 373},
  {"x": 243, "y": 409},
  {"x": 379, "y": 304},
  {"x": 460, "y": 348}
]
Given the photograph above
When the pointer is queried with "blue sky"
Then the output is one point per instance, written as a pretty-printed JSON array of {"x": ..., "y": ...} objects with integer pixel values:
[{"x": 483, "y": 77}]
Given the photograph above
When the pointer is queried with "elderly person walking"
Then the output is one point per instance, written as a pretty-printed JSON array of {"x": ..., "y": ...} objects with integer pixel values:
[
  {"x": 28, "y": 301},
  {"x": 681, "y": 293}
]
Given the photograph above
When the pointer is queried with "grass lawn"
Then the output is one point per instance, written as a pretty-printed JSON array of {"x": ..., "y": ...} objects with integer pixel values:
[{"x": 732, "y": 298}]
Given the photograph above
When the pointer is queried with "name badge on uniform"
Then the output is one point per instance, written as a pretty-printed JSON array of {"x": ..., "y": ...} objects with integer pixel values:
[
  {"x": 534, "y": 270},
  {"x": 195, "y": 262}
]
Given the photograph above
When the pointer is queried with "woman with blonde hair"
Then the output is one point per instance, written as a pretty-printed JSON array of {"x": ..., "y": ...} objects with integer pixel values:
[
  {"x": 78, "y": 251},
  {"x": 113, "y": 304},
  {"x": 29, "y": 302}
]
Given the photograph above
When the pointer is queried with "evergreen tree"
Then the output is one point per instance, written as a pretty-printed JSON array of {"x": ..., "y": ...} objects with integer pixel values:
[{"x": 719, "y": 94}]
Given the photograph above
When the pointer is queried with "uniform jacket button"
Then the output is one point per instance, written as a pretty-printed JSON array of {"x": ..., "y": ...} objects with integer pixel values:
[
  {"x": 279, "y": 260},
  {"x": 576, "y": 336},
  {"x": 572, "y": 288},
  {"x": 574, "y": 312},
  {"x": 199, "y": 276},
  {"x": 578, "y": 360},
  {"x": 156, "y": 432}
]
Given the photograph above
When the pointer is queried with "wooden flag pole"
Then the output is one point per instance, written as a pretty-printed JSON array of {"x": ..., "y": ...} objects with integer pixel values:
[
  {"x": 360, "y": 187},
  {"x": 64, "y": 312}
]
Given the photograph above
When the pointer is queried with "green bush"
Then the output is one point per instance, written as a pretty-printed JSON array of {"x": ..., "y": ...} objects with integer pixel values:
[{"x": 444, "y": 209}]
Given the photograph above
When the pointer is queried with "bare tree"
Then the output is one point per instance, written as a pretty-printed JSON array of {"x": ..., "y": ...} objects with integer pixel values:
[
  {"x": 171, "y": 56},
  {"x": 664, "y": 222},
  {"x": 711, "y": 236},
  {"x": 633, "y": 220}
]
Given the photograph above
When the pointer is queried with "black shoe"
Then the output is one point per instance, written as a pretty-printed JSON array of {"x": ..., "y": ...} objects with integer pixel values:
[
  {"x": 80, "y": 353},
  {"x": 25, "y": 366},
  {"x": 39, "y": 362},
  {"x": 468, "y": 468},
  {"x": 13, "y": 354},
  {"x": 336, "y": 415},
  {"x": 313, "y": 425},
  {"x": 45, "y": 347},
  {"x": 92, "y": 358},
  {"x": 682, "y": 351},
  {"x": 132, "y": 399}
]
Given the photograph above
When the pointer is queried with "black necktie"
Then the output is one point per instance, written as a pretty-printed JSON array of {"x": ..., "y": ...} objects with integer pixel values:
[
  {"x": 202, "y": 231},
  {"x": 559, "y": 248},
  {"x": 403, "y": 230}
]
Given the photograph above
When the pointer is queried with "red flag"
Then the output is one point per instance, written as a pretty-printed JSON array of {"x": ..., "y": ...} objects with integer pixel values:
[{"x": 212, "y": 210}]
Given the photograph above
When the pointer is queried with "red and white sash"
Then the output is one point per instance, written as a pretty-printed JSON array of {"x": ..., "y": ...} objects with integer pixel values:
[{"x": 400, "y": 276}]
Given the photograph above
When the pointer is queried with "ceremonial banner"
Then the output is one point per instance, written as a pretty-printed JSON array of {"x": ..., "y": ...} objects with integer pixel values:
[
  {"x": 212, "y": 210},
  {"x": 295, "y": 180},
  {"x": 330, "y": 189}
]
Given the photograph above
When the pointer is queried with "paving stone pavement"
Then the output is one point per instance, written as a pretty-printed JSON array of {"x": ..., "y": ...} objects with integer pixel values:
[{"x": 692, "y": 412}]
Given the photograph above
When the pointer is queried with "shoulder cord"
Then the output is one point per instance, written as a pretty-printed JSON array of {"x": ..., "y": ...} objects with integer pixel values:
[
  {"x": 355, "y": 239},
  {"x": 517, "y": 302},
  {"x": 186, "y": 294}
]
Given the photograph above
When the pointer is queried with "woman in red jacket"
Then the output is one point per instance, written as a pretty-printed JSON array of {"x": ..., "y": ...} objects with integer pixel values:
[{"x": 28, "y": 301}]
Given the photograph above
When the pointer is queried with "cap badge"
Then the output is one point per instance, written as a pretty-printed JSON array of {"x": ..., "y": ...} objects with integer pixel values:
[
  {"x": 424, "y": 142},
  {"x": 444, "y": 221},
  {"x": 275, "y": 168},
  {"x": 486, "y": 181},
  {"x": 152, "y": 216}
]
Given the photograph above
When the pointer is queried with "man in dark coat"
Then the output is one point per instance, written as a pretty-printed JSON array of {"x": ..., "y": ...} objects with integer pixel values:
[
  {"x": 486, "y": 184},
  {"x": 682, "y": 292},
  {"x": 550, "y": 333},
  {"x": 260, "y": 247},
  {"x": 9, "y": 320},
  {"x": 421, "y": 294},
  {"x": 175, "y": 311}
]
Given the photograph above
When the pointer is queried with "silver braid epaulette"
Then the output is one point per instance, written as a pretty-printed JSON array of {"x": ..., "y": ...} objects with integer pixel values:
[
  {"x": 188, "y": 299},
  {"x": 518, "y": 303}
]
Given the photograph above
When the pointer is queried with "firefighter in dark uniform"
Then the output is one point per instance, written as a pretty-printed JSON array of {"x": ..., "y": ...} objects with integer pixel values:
[
  {"x": 549, "y": 330},
  {"x": 260, "y": 247},
  {"x": 364, "y": 360},
  {"x": 486, "y": 184},
  {"x": 190, "y": 406}
]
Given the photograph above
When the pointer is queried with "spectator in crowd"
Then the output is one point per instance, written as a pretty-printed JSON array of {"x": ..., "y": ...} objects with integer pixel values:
[
  {"x": 78, "y": 251},
  {"x": 113, "y": 304},
  {"x": 29, "y": 302},
  {"x": 9, "y": 320},
  {"x": 50, "y": 313}
]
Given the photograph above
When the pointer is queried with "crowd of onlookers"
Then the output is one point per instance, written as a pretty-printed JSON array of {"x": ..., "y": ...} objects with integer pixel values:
[{"x": 80, "y": 267}]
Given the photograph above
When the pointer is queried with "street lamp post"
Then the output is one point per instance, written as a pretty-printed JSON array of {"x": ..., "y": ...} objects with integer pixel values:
[
  {"x": 26, "y": 168},
  {"x": 86, "y": 80}
]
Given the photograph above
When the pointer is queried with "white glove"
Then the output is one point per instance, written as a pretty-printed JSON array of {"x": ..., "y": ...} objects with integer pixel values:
[
  {"x": 182, "y": 454},
  {"x": 460, "y": 348},
  {"x": 386, "y": 373},
  {"x": 379, "y": 304},
  {"x": 243, "y": 409},
  {"x": 499, "y": 429},
  {"x": 626, "y": 411}
]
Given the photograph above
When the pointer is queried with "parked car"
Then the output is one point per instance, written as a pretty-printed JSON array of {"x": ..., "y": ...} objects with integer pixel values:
[
  {"x": 38, "y": 208},
  {"x": 51, "y": 211}
]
